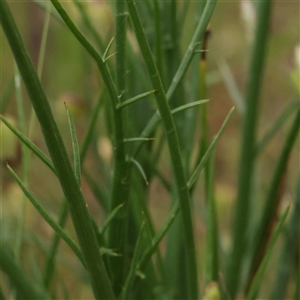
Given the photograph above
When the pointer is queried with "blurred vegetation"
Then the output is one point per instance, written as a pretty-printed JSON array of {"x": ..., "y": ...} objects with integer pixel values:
[{"x": 70, "y": 76}]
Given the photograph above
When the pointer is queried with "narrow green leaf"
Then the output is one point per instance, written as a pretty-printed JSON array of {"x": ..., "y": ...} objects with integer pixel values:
[
  {"x": 210, "y": 149},
  {"x": 76, "y": 152},
  {"x": 53, "y": 224},
  {"x": 187, "y": 106},
  {"x": 212, "y": 259},
  {"x": 109, "y": 218},
  {"x": 104, "y": 57},
  {"x": 258, "y": 279},
  {"x": 109, "y": 252},
  {"x": 38, "y": 152},
  {"x": 140, "y": 169},
  {"x": 134, "y": 99},
  {"x": 138, "y": 139}
]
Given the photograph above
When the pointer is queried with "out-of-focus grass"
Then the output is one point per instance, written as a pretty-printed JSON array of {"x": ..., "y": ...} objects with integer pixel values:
[{"x": 70, "y": 76}]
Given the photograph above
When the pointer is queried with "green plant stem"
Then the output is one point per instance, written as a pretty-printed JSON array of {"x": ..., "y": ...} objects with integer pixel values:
[
  {"x": 173, "y": 143},
  {"x": 79, "y": 213},
  {"x": 248, "y": 148},
  {"x": 212, "y": 260},
  {"x": 120, "y": 186}
]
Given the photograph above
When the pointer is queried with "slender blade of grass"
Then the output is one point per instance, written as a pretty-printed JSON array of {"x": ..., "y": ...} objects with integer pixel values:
[
  {"x": 209, "y": 150},
  {"x": 188, "y": 105},
  {"x": 53, "y": 224},
  {"x": 76, "y": 152},
  {"x": 260, "y": 274},
  {"x": 109, "y": 218},
  {"x": 247, "y": 161},
  {"x": 212, "y": 260},
  {"x": 39, "y": 153},
  {"x": 79, "y": 213},
  {"x": 134, "y": 99}
]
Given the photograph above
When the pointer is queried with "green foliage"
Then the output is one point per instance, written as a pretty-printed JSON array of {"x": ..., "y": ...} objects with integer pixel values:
[{"x": 146, "y": 187}]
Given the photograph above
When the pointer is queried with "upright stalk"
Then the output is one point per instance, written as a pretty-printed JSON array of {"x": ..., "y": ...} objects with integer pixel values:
[
  {"x": 174, "y": 147},
  {"x": 120, "y": 187},
  {"x": 248, "y": 148},
  {"x": 95, "y": 267}
]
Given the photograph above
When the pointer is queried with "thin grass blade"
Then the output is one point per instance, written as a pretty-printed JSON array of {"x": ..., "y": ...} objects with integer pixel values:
[
  {"x": 38, "y": 152},
  {"x": 189, "y": 105},
  {"x": 134, "y": 99},
  {"x": 212, "y": 260},
  {"x": 209, "y": 151},
  {"x": 53, "y": 224},
  {"x": 258, "y": 279},
  {"x": 109, "y": 218},
  {"x": 76, "y": 152}
]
